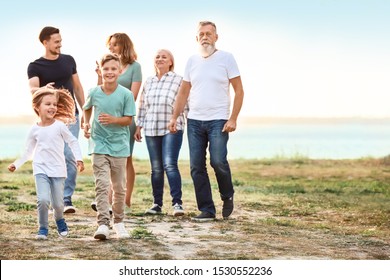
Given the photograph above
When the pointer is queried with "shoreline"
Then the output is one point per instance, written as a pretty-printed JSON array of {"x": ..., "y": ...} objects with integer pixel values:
[
  {"x": 245, "y": 120},
  {"x": 312, "y": 120}
]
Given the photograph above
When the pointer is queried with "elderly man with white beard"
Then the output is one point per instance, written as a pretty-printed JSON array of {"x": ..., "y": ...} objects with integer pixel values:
[{"x": 207, "y": 79}]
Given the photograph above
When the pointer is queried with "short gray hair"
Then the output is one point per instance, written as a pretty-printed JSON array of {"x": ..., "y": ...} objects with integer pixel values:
[{"x": 203, "y": 23}]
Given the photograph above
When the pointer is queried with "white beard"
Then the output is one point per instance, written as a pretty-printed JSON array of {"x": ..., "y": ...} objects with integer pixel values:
[{"x": 206, "y": 51}]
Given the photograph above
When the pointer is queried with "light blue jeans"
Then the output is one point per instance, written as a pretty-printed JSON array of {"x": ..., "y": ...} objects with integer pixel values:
[
  {"x": 50, "y": 190},
  {"x": 71, "y": 165},
  {"x": 203, "y": 134}
]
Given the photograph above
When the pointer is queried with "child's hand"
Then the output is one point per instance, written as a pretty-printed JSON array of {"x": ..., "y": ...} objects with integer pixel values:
[
  {"x": 106, "y": 119},
  {"x": 80, "y": 166},
  {"x": 11, "y": 167}
]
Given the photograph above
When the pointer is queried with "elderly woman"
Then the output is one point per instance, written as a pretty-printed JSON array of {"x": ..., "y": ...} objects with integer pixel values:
[{"x": 155, "y": 110}]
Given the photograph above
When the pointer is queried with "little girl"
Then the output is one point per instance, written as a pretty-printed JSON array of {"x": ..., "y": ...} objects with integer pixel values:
[{"x": 45, "y": 145}]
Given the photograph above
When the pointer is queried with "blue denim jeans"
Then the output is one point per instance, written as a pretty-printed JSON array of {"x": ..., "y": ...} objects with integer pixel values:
[
  {"x": 50, "y": 190},
  {"x": 71, "y": 165},
  {"x": 163, "y": 154},
  {"x": 203, "y": 134}
]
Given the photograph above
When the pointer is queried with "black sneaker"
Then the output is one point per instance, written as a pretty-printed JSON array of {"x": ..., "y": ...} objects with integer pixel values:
[
  {"x": 69, "y": 208},
  {"x": 155, "y": 210},
  {"x": 227, "y": 207},
  {"x": 94, "y": 207},
  {"x": 204, "y": 217}
]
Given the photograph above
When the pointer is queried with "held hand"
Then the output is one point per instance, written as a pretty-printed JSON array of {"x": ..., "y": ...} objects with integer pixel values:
[
  {"x": 87, "y": 133},
  {"x": 137, "y": 134},
  {"x": 11, "y": 167},
  {"x": 82, "y": 122},
  {"x": 80, "y": 166},
  {"x": 229, "y": 126},
  {"x": 172, "y": 126},
  {"x": 50, "y": 85}
]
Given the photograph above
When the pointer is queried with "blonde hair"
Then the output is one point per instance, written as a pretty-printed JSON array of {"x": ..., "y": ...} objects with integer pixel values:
[
  {"x": 65, "y": 103},
  {"x": 172, "y": 67}
]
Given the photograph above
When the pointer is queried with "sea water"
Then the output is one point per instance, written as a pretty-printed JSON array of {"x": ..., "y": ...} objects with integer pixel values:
[{"x": 322, "y": 140}]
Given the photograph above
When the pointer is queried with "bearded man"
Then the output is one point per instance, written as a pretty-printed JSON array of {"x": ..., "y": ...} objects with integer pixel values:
[{"x": 206, "y": 82}]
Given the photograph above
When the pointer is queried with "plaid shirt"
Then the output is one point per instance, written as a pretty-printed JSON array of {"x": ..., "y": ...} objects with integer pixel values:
[{"x": 156, "y": 104}]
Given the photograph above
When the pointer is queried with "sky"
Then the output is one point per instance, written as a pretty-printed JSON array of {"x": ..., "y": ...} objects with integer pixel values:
[{"x": 313, "y": 58}]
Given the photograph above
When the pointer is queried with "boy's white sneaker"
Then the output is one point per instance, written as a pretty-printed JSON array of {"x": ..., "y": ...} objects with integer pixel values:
[
  {"x": 102, "y": 233},
  {"x": 121, "y": 231}
]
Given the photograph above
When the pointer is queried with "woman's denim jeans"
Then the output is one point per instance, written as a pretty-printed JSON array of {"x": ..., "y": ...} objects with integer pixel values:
[
  {"x": 50, "y": 190},
  {"x": 202, "y": 134},
  {"x": 71, "y": 165},
  {"x": 164, "y": 153}
]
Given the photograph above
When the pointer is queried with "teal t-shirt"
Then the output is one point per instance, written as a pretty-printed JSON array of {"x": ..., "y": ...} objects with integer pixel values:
[
  {"x": 131, "y": 75},
  {"x": 110, "y": 139},
  {"x": 127, "y": 78}
]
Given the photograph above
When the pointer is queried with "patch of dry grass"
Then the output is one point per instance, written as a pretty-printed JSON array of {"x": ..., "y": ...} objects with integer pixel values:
[{"x": 284, "y": 209}]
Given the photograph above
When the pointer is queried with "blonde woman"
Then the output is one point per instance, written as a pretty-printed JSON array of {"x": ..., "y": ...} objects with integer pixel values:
[{"x": 155, "y": 111}]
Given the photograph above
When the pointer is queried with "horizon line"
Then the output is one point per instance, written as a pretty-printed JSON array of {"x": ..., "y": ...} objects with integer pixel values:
[{"x": 243, "y": 119}]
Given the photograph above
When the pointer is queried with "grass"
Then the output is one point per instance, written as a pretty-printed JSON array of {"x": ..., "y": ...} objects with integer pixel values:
[{"x": 285, "y": 208}]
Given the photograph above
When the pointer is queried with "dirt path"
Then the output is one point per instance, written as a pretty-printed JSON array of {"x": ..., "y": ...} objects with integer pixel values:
[{"x": 247, "y": 235}]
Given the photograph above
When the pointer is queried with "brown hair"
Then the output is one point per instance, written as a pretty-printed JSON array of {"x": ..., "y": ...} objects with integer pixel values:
[
  {"x": 128, "y": 54},
  {"x": 65, "y": 103},
  {"x": 109, "y": 56},
  {"x": 46, "y": 32}
]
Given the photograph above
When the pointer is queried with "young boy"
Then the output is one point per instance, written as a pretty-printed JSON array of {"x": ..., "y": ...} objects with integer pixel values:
[{"x": 114, "y": 108}]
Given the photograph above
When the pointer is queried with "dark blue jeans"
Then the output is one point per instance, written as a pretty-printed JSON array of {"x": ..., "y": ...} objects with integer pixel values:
[
  {"x": 163, "y": 155},
  {"x": 202, "y": 134}
]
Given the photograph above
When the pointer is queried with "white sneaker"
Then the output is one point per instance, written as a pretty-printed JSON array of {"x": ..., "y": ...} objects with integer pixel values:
[
  {"x": 69, "y": 209},
  {"x": 178, "y": 210},
  {"x": 121, "y": 231},
  {"x": 41, "y": 237},
  {"x": 102, "y": 232}
]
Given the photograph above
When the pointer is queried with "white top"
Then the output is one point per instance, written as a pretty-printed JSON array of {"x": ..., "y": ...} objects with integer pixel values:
[
  {"x": 45, "y": 145},
  {"x": 209, "y": 77}
]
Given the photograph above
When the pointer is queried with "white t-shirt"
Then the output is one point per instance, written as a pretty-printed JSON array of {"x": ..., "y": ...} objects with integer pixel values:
[
  {"x": 209, "y": 77},
  {"x": 46, "y": 145}
]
